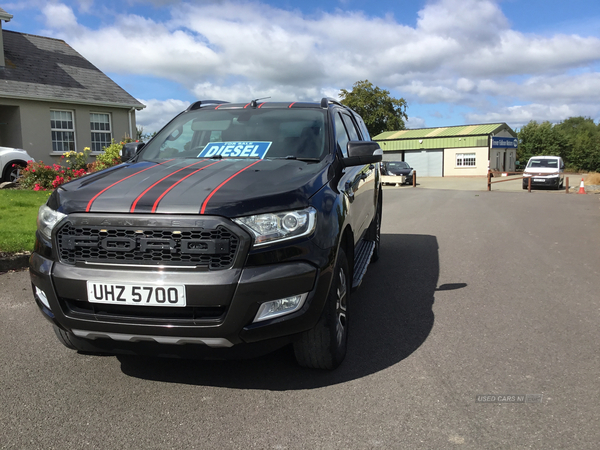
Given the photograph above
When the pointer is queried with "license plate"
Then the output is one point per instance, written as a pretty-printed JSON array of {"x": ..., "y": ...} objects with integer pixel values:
[
  {"x": 539, "y": 180},
  {"x": 135, "y": 294}
]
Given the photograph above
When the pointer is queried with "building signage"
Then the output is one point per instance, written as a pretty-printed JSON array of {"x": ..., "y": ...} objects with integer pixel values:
[{"x": 503, "y": 142}]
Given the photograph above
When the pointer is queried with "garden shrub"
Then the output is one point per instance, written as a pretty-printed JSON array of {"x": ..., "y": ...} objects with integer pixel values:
[
  {"x": 110, "y": 157},
  {"x": 42, "y": 177}
]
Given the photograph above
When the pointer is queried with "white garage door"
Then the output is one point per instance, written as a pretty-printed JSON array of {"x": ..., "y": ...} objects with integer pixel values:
[
  {"x": 392, "y": 156},
  {"x": 427, "y": 163}
]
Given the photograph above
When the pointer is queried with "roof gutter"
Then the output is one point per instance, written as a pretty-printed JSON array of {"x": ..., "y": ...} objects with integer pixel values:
[{"x": 138, "y": 106}]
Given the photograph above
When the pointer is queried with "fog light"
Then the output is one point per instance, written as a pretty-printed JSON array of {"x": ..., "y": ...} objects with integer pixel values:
[
  {"x": 276, "y": 308},
  {"x": 42, "y": 296}
]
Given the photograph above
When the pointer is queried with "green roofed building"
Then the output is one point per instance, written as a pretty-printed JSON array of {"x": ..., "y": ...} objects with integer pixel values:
[{"x": 465, "y": 150}]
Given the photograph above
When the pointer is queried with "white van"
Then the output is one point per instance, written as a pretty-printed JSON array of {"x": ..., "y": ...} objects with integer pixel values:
[{"x": 544, "y": 171}]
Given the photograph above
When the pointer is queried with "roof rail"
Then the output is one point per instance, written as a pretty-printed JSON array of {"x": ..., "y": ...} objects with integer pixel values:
[
  {"x": 199, "y": 103},
  {"x": 325, "y": 101}
]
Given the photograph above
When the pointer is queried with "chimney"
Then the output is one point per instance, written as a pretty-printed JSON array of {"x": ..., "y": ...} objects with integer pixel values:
[{"x": 6, "y": 17}]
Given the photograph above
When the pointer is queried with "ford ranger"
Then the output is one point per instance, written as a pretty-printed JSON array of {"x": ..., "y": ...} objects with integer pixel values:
[{"x": 237, "y": 227}]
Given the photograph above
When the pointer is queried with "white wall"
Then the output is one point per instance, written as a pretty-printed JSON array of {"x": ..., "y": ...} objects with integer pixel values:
[
  {"x": 481, "y": 162},
  {"x": 35, "y": 125}
]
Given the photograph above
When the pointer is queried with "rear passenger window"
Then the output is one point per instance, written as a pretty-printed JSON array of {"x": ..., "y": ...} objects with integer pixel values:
[
  {"x": 340, "y": 135},
  {"x": 351, "y": 127}
]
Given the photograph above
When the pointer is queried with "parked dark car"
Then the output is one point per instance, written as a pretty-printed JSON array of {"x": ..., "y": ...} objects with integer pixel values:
[
  {"x": 398, "y": 168},
  {"x": 237, "y": 228}
]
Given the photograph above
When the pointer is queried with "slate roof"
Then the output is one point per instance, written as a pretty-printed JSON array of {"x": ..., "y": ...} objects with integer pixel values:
[{"x": 42, "y": 68}]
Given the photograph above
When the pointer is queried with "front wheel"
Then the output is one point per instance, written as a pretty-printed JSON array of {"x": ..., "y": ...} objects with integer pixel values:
[
  {"x": 324, "y": 346},
  {"x": 13, "y": 173}
]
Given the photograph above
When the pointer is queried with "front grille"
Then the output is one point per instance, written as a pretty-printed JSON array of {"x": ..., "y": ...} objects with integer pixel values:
[{"x": 211, "y": 248}]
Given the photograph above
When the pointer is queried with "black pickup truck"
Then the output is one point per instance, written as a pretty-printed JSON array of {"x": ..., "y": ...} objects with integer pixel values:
[{"x": 237, "y": 227}]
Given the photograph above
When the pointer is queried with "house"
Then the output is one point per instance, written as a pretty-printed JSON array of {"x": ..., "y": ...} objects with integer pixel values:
[
  {"x": 53, "y": 100},
  {"x": 465, "y": 150}
]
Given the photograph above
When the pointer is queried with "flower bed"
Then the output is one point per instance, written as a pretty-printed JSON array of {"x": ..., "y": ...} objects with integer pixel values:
[{"x": 42, "y": 177}]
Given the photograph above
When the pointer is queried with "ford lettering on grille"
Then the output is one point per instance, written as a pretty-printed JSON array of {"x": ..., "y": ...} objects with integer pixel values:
[{"x": 215, "y": 248}]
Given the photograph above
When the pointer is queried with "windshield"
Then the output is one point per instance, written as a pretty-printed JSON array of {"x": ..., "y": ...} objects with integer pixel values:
[
  {"x": 241, "y": 133},
  {"x": 534, "y": 163}
]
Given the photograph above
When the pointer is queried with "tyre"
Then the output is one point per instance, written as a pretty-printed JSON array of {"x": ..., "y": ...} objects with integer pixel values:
[
  {"x": 66, "y": 338},
  {"x": 324, "y": 346},
  {"x": 72, "y": 342},
  {"x": 12, "y": 172}
]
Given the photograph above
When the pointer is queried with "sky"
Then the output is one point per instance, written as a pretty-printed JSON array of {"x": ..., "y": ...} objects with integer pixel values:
[{"x": 455, "y": 62}]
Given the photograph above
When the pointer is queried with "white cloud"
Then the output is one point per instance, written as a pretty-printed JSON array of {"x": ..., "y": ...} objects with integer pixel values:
[
  {"x": 517, "y": 116},
  {"x": 415, "y": 122},
  {"x": 61, "y": 17},
  {"x": 158, "y": 113},
  {"x": 461, "y": 52}
]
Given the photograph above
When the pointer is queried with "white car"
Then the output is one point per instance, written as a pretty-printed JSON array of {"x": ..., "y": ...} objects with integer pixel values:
[
  {"x": 544, "y": 171},
  {"x": 12, "y": 161}
]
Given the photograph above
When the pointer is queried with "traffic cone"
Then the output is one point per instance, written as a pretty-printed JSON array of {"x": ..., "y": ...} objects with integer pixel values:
[{"x": 581, "y": 188}]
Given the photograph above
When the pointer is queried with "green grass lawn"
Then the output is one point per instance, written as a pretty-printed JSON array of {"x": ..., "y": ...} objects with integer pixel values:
[{"x": 18, "y": 213}]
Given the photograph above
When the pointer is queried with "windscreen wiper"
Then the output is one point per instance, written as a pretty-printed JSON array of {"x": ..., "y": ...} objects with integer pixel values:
[{"x": 302, "y": 159}]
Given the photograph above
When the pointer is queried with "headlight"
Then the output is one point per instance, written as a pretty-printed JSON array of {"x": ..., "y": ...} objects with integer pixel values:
[
  {"x": 272, "y": 227},
  {"x": 47, "y": 219}
]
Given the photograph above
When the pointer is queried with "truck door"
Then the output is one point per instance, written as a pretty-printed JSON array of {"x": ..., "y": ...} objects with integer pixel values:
[{"x": 358, "y": 182}]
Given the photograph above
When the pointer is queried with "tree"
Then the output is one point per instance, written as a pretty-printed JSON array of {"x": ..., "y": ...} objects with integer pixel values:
[
  {"x": 379, "y": 111},
  {"x": 576, "y": 140},
  {"x": 583, "y": 139},
  {"x": 540, "y": 139}
]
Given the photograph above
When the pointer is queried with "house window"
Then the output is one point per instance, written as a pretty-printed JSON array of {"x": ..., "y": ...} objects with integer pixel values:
[
  {"x": 465, "y": 160},
  {"x": 101, "y": 134},
  {"x": 63, "y": 131}
]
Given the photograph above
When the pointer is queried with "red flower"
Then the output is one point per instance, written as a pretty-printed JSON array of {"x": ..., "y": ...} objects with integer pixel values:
[{"x": 58, "y": 181}]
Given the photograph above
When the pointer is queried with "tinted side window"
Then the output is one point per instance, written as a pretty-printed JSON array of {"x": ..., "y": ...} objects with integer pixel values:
[
  {"x": 363, "y": 129},
  {"x": 340, "y": 135},
  {"x": 351, "y": 127}
]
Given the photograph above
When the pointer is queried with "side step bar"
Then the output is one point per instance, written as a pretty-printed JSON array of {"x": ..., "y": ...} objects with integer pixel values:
[{"x": 362, "y": 258}]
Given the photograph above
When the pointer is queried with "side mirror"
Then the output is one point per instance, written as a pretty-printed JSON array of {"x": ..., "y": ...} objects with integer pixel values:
[
  {"x": 363, "y": 152},
  {"x": 130, "y": 149}
]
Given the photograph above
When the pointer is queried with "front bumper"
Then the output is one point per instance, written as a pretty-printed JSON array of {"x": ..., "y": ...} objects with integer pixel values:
[
  {"x": 550, "y": 181},
  {"x": 220, "y": 308}
]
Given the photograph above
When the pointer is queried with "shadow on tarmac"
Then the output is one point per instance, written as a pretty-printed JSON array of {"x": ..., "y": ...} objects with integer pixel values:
[{"x": 391, "y": 317}]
